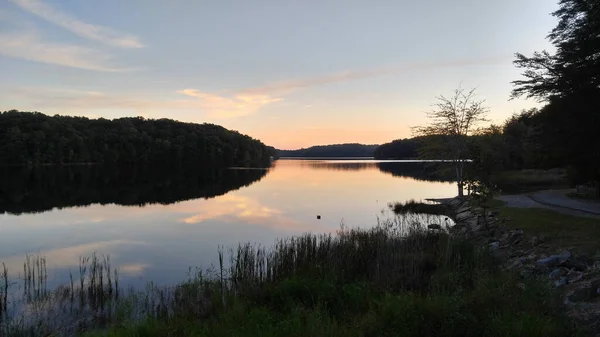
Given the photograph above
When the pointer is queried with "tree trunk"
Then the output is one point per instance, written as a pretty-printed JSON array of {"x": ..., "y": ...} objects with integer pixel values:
[{"x": 459, "y": 180}]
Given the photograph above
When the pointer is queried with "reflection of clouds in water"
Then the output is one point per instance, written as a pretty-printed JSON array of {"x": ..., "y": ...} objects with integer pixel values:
[
  {"x": 231, "y": 205},
  {"x": 244, "y": 210},
  {"x": 69, "y": 256}
]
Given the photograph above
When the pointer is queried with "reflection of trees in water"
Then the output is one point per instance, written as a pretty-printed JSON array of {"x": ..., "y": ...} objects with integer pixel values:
[
  {"x": 42, "y": 189},
  {"x": 417, "y": 170},
  {"x": 338, "y": 166}
]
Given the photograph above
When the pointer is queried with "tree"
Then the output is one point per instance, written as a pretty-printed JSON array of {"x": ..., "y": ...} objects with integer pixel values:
[
  {"x": 452, "y": 120},
  {"x": 569, "y": 81}
]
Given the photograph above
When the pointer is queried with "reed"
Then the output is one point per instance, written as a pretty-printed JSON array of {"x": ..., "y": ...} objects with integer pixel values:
[{"x": 334, "y": 272}]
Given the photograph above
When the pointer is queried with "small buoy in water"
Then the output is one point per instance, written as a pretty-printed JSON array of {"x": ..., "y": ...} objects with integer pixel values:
[{"x": 318, "y": 217}]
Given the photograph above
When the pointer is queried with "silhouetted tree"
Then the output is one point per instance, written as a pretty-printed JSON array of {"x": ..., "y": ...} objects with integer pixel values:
[
  {"x": 569, "y": 81},
  {"x": 452, "y": 120}
]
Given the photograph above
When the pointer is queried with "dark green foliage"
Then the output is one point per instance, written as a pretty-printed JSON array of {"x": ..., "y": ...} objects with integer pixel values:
[
  {"x": 464, "y": 294},
  {"x": 399, "y": 149},
  {"x": 38, "y": 189},
  {"x": 441, "y": 172},
  {"x": 336, "y": 150},
  {"x": 569, "y": 81},
  {"x": 380, "y": 282},
  {"x": 28, "y": 138}
]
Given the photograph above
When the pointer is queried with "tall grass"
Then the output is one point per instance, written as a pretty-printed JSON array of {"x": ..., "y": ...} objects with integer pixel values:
[{"x": 394, "y": 279}]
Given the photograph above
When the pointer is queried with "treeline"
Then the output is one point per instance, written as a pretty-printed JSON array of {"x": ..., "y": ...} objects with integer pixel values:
[
  {"x": 564, "y": 132},
  {"x": 32, "y": 138},
  {"x": 39, "y": 189},
  {"x": 335, "y": 150}
]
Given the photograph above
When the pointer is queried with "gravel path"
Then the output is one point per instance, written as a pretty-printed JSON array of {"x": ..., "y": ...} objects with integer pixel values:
[{"x": 555, "y": 200}]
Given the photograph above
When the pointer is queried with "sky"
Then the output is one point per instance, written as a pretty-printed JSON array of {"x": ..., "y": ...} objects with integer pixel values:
[{"x": 290, "y": 73}]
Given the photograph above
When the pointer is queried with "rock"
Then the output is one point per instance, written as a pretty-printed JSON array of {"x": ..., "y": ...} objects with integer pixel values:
[
  {"x": 587, "y": 291},
  {"x": 558, "y": 273},
  {"x": 554, "y": 260},
  {"x": 492, "y": 213},
  {"x": 516, "y": 253},
  {"x": 516, "y": 264},
  {"x": 574, "y": 276},
  {"x": 516, "y": 237},
  {"x": 561, "y": 282},
  {"x": 434, "y": 226},
  {"x": 565, "y": 254},
  {"x": 595, "y": 266},
  {"x": 464, "y": 216},
  {"x": 574, "y": 264},
  {"x": 494, "y": 245}
]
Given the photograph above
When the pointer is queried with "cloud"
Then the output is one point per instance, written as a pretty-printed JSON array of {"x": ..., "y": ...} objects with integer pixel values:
[
  {"x": 283, "y": 87},
  {"x": 28, "y": 46},
  {"x": 239, "y": 104},
  {"x": 238, "y": 206},
  {"x": 69, "y": 256},
  {"x": 89, "y": 31}
]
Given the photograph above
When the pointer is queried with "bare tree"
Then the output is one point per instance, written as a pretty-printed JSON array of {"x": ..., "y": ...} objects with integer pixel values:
[{"x": 452, "y": 120}]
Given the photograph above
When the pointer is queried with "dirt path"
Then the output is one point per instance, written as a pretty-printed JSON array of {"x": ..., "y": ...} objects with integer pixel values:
[{"x": 555, "y": 200}]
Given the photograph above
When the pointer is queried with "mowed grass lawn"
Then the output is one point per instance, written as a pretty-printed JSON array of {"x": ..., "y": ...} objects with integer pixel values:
[{"x": 581, "y": 234}]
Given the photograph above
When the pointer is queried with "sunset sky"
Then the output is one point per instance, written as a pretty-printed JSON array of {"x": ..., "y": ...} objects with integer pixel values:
[{"x": 290, "y": 73}]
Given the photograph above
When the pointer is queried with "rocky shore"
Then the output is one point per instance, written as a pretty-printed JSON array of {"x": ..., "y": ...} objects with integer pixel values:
[{"x": 576, "y": 276}]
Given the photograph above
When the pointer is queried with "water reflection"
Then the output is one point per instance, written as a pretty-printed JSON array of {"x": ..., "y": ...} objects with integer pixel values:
[
  {"x": 42, "y": 189},
  {"x": 156, "y": 222}
]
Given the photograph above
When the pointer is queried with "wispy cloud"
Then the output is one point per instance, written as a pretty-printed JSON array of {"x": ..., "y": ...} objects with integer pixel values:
[
  {"x": 86, "y": 30},
  {"x": 283, "y": 87},
  {"x": 30, "y": 47},
  {"x": 250, "y": 100},
  {"x": 237, "y": 105}
]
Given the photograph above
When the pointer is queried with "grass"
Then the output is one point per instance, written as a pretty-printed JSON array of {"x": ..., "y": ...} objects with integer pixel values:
[
  {"x": 580, "y": 234},
  {"x": 394, "y": 279},
  {"x": 522, "y": 181},
  {"x": 416, "y": 207}
]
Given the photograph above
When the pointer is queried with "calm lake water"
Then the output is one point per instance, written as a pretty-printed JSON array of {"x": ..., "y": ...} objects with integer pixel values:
[{"x": 156, "y": 223}]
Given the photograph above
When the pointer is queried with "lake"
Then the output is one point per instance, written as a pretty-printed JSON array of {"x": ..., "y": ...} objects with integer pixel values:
[{"x": 156, "y": 223}]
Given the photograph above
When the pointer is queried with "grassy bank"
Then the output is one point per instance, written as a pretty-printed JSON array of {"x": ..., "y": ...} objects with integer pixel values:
[
  {"x": 579, "y": 234},
  {"x": 387, "y": 281},
  {"x": 522, "y": 181}
]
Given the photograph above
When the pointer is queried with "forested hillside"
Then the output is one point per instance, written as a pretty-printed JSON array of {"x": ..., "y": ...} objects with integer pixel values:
[
  {"x": 335, "y": 150},
  {"x": 32, "y": 138},
  {"x": 398, "y": 149}
]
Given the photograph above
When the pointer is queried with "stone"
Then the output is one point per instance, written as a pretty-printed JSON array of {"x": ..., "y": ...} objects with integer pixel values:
[
  {"x": 535, "y": 241},
  {"x": 554, "y": 260},
  {"x": 574, "y": 264},
  {"x": 516, "y": 253},
  {"x": 565, "y": 254},
  {"x": 516, "y": 264},
  {"x": 561, "y": 282},
  {"x": 574, "y": 276},
  {"x": 558, "y": 273},
  {"x": 586, "y": 292},
  {"x": 516, "y": 237},
  {"x": 595, "y": 266},
  {"x": 434, "y": 226},
  {"x": 494, "y": 245}
]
